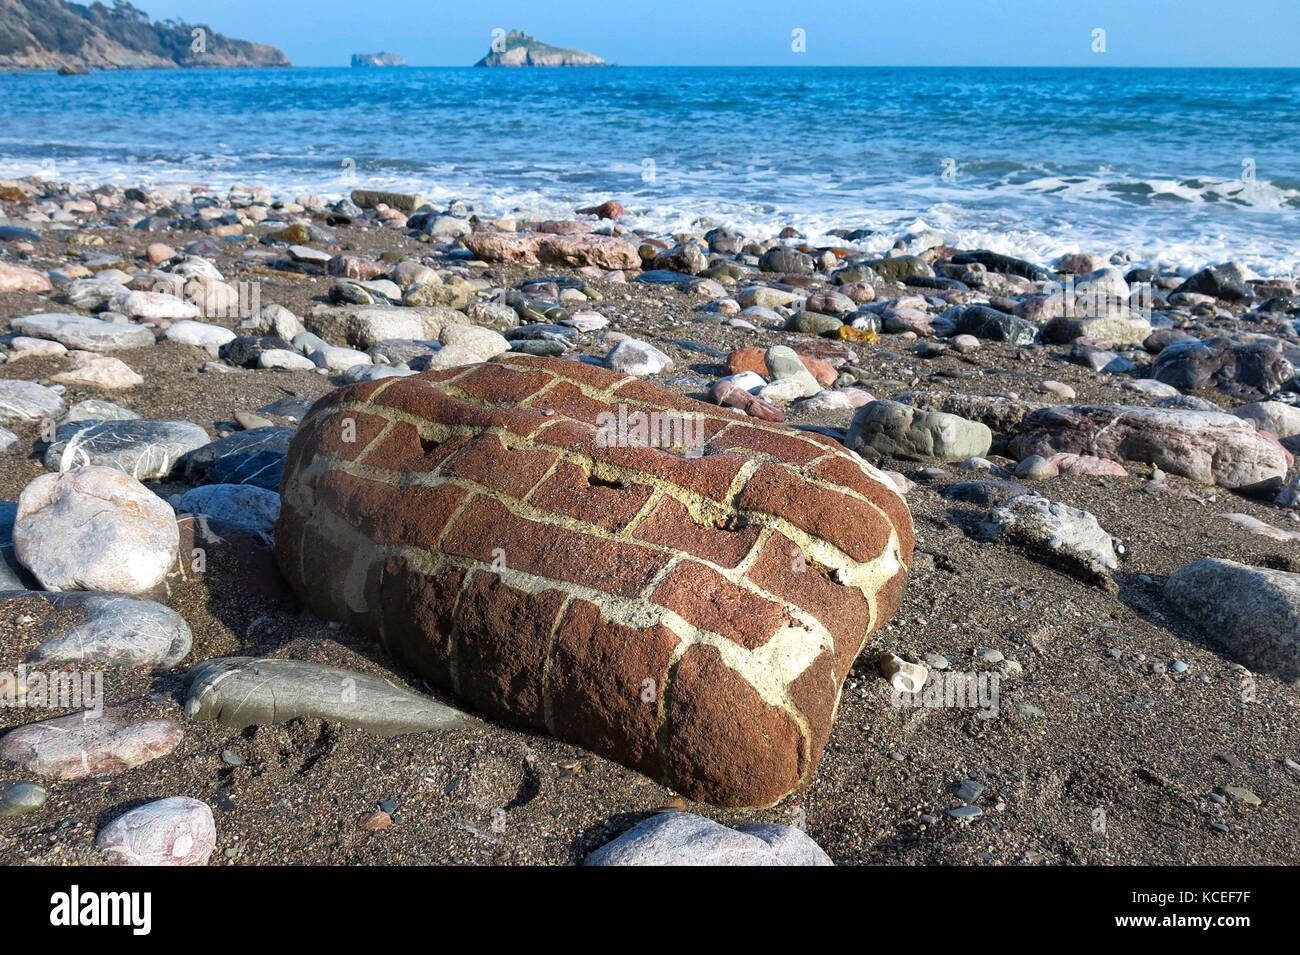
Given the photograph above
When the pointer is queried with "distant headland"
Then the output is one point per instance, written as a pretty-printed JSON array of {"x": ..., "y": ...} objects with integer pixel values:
[{"x": 74, "y": 39}]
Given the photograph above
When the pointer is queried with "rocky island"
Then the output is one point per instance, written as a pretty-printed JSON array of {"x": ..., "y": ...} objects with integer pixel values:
[
  {"x": 71, "y": 38},
  {"x": 377, "y": 59},
  {"x": 517, "y": 48}
]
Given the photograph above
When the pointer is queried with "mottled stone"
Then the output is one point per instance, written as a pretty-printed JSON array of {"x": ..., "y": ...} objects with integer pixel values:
[
  {"x": 1065, "y": 535},
  {"x": 86, "y": 744},
  {"x": 94, "y": 528},
  {"x": 888, "y": 428},
  {"x": 174, "y": 831},
  {"x": 568, "y": 612},
  {"x": 28, "y": 401},
  {"x": 1207, "y": 446}
]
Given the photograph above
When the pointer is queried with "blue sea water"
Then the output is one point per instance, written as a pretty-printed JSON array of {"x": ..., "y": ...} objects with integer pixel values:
[{"x": 1175, "y": 167}]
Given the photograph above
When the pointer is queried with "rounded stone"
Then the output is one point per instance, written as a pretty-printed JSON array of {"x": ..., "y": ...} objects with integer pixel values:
[
  {"x": 685, "y": 602},
  {"x": 95, "y": 528},
  {"x": 174, "y": 831}
]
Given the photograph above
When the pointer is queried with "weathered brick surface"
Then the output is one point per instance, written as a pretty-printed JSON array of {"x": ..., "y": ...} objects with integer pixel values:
[{"x": 692, "y": 615}]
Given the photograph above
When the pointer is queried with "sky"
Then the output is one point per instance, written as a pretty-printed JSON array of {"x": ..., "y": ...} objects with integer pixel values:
[{"x": 1165, "y": 33}]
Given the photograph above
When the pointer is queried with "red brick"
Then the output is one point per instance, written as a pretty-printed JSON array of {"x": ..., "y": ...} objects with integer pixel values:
[
  {"x": 502, "y": 640},
  {"x": 852, "y": 526},
  {"x": 571, "y": 493},
  {"x": 706, "y": 599},
  {"x": 486, "y": 460},
  {"x": 726, "y": 745},
  {"x": 600, "y": 697},
  {"x": 549, "y": 551}
]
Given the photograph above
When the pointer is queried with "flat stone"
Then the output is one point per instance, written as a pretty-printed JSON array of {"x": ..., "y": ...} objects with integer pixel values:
[
  {"x": 20, "y": 346},
  {"x": 174, "y": 831},
  {"x": 94, "y": 528},
  {"x": 153, "y": 305},
  {"x": 142, "y": 448},
  {"x": 202, "y": 334},
  {"x": 79, "y": 331},
  {"x": 28, "y": 401},
  {"x": 244, "y": 691},
  {"x": 1254, "y": 611},
  {"x": 98, "y": 371},
  {"x": 102, "y": 628},
  {"x": 85, "y": 745}
]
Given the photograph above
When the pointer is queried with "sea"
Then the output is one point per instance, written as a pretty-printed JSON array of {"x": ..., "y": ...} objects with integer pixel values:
[{"x": 1172, "y": 168}]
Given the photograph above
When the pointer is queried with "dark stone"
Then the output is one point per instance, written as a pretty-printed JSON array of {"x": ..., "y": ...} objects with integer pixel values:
[
  {"x": 1004, "y": 264},
  {"x": 989, "y": 323},
  {"x": 936, "y": 282},
  {"x": 786, "y": 260},
  {"x": 1242, "y": 371},
  {"x": 985, "y": 493},
  {"x": 1221, "y": 281},
  {"x": 253, "y": 457},
  {"x": 245, "y": 350}
]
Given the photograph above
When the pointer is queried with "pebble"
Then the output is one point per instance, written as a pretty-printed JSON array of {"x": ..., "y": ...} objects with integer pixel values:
[
  {"x": 173, "y": 831},
  {"x": 201, "y": 334},
  {"x": 95, "y": 528},
  {"x": 685, "y": 839},
  {"x": 1241, "y": 795},
  {"x": 634, "y": 357},
  {"x": 107, "y": 629},
  {"x": 84, "y": 745},
  {"x": 970, "y": 790},
  {"x": 19, "y": 798},
  {"x": 141, "y": 448},
  {"x": 95, "y": 409}
]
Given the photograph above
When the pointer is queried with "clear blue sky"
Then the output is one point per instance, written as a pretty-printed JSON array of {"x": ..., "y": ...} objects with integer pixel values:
[{"x": 1202, "y": 33}]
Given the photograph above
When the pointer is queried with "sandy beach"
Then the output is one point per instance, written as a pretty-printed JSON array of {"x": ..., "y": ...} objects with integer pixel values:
[{"x": 1130, "y": 728}]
